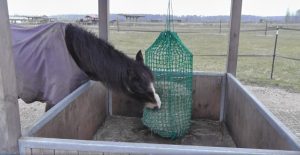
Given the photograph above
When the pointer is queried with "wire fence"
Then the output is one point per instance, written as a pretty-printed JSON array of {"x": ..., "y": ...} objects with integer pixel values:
[{"x": 221, "y": 29}]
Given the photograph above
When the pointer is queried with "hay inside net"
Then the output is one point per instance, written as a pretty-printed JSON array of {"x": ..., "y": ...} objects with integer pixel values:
[{"x": 171, "y": 63}]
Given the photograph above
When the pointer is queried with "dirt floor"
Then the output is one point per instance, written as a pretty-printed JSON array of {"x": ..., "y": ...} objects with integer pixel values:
[
  {"x": 131, "y": 129},
  {"x": 30, "y": 113},
  {"x": 284, "y": 105}
]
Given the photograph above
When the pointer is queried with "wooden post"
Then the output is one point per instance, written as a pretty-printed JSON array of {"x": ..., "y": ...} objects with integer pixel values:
[
  {"x": 220, "y": 27},
  {"x": 274, "y": 53},
  {"x": 103, "y": 14},
  {"x": 10, "y": 128},
  {"x": 235, "y": 21},
  {"x": 266, "y": 28},
  {"x": 118, "y": 26}
]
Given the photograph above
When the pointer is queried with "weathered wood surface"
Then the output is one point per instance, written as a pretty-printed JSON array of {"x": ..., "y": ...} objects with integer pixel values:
[
  {"x": 252, "y": 125},
  {"x": 126, "y": 106},
  {"x": 68, "y": 152},
  {"x": 36, "y": 151},
  {"x": 206, "y": 99},
  {"x": 95, "y": 147},
  {"x": 81, "y": 118},
  {"x": 103, "y": 14},
  {"x": 10, "y": 129},
  {"x": 48, "y": 151},
  {"x": 234, "y": 35}
]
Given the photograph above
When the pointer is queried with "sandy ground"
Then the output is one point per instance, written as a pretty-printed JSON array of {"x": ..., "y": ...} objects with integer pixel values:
[
  {"x": 30, "y": 113},
  {"x": 284, "y": 105}
]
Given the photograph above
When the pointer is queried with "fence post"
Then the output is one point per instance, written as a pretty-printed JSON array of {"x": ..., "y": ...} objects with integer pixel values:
[
  {"x": 234, "y": 35},
  {"x": 220, "y": 29},
  {"x": 103, "y": 14},
  {"x": 266, "y": 29},
  {"x": 274, "y": 53},
  {"x": 118, "y": 26}
]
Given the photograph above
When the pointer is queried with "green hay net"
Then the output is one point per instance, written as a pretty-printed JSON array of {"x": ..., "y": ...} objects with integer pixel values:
[{"x": 172, "y": 65}]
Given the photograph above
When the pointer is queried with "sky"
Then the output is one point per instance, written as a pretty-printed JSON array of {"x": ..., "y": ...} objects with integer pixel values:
[{"x": 180, "y": 7}]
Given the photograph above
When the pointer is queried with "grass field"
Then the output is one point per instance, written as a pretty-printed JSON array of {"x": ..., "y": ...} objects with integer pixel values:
[{"x": 205, "y": 39}]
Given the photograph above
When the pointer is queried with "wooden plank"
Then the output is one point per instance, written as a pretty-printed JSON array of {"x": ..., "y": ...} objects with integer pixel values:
[
  {"x": 222, "y": 100},
  {"x": 89, "y": 153},
  {"x": 115, "y": 154},
  {"x": 48, "y": 152},
  {"x": 126, "y": 106},
  {"x": 103, "y": 14},
  {"x": 141, "y": 148},
  {"x": 73, "y": 152},
  {"x": 60, "y": 152},
  {"x": 81, "y": 118},
  {"x": 206, "y": 97},
  {"x": 235, "y": 21},
  {"x": 65, "y": 152},
  {"x": 27, "y": 151},
  {"x": 10, "y": 129},
  {"x": 36, "y": 151},
  {"x": 251, "y": 124}
]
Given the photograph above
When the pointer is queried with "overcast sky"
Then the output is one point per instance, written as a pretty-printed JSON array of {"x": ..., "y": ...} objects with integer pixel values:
[{"x": 180, "y": 7}]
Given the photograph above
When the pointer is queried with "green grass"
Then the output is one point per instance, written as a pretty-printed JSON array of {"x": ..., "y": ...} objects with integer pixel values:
[{"x": 208, "y": 40}]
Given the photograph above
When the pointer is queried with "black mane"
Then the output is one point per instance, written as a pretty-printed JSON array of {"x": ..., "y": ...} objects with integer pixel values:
[{"x": 97, "y": 58}]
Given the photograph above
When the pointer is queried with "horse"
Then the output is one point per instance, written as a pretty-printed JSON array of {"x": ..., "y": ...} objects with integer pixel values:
[{"x": 54, "y": 59}]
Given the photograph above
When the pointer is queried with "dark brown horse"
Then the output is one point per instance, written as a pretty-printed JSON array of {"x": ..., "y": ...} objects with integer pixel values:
[{"x": 51, "y": 70}]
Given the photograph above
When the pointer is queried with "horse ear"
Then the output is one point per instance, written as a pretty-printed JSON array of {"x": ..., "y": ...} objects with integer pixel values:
[{"x": 139, "y": 57}]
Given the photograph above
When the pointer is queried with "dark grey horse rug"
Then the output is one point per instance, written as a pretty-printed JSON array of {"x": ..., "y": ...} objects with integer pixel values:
[{"x": 45, "y": 70}]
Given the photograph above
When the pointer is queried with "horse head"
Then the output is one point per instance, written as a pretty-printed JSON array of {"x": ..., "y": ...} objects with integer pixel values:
[{"x": 139, "y": 84}]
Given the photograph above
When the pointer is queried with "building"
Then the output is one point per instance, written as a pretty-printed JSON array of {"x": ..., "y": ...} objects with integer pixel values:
[{"x": 89, "y": 20}]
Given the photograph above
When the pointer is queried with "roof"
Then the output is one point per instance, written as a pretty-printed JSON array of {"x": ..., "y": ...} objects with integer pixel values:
[{"x": 132, "y": 15}]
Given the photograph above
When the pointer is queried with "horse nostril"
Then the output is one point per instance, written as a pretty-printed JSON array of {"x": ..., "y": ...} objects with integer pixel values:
[{"x": 155, "y": 108}]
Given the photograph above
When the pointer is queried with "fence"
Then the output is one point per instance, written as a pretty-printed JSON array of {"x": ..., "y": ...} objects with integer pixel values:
[{"x": 215, "y": 28}]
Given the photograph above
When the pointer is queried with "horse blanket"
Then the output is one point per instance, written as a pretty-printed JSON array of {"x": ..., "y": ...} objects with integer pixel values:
[{"x": 45, "y": 70}]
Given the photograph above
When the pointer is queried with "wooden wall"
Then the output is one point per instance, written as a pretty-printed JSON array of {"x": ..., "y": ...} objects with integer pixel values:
[
  {"x": 207, "y": 90},
  {"x": 250, "y": 124},
  {"x": 68, "y": 152},
  {"x": 206, "y": 99},
  {"x": 80, "y": 119},
  {"x": 53, "y": 146}
]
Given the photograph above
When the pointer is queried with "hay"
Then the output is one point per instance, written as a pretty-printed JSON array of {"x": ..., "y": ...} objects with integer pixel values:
[
  {"x": 131, "y": 129},
  {"x": 173, "y": 119},
  {"x": 172, "y": 65}
]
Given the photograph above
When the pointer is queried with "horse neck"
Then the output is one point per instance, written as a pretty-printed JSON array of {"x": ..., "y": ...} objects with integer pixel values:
[{"x": 98, "y": 59}]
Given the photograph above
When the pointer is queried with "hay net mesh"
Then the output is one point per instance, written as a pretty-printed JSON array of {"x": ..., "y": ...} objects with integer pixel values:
[{"x": 172, "y": 65}]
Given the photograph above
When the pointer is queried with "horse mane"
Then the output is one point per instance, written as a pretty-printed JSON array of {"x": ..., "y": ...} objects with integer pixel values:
[{"x": 97, "y": 58}]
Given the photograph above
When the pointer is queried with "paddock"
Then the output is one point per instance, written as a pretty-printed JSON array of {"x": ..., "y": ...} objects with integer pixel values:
[
  {"x": 219, "y": 100},
  {"x": 216, "y": 97}
]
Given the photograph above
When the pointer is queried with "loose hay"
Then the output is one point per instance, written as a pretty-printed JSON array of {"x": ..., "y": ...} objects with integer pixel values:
[
  {"x": 172, "y": 65},
  {"x": 131, "y": 129},
  {"x": 173, "y": 119}
]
